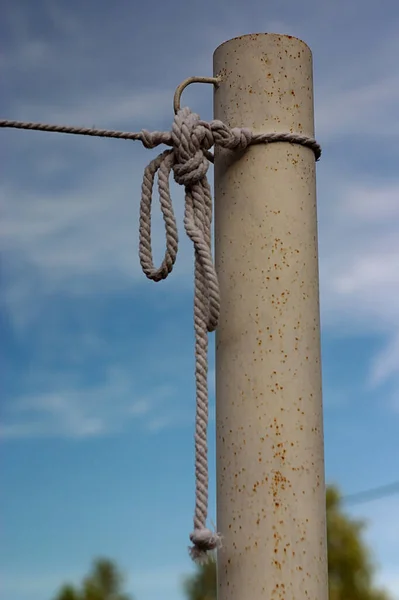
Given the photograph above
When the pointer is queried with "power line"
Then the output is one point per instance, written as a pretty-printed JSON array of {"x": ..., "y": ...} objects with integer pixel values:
[{"x": 376, "y": 493}]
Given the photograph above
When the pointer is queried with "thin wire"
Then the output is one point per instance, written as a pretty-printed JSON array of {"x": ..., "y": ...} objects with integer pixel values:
[{"x": 377, "y": 493}]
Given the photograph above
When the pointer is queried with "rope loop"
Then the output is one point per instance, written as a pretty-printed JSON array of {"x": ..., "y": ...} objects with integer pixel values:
[
  {"x": 191, "y": 140},
  {"x": 188, "y": 158}
]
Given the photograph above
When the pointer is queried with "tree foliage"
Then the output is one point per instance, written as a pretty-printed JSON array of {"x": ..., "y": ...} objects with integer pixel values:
[
  {"x": 350, "y": 568},
  {"x": 104, "y": 582},
  {"x": 202, "y": 585}
]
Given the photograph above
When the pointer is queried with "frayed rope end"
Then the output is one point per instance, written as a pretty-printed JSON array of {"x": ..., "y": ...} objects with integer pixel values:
[{"x": 204, "y": 541}]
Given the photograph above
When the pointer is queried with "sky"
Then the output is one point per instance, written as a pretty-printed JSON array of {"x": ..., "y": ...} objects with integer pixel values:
[{"x": 97, "y": 390}]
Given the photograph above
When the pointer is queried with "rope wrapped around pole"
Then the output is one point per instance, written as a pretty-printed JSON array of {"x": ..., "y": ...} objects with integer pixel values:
[{"x": 188, "y": 158}]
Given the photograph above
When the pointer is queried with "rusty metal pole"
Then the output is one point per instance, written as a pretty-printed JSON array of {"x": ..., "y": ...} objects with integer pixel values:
[{"x": 270, "y": 458}]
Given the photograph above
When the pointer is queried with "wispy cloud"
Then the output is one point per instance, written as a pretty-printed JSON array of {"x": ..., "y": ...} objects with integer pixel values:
[
  {"x": 110, "y": 109},
  {"x": 89, "y": 411},
  {"x": 68, "y": 231},
  {"x": 366, "y": 109},
  {"x": 360, "y": 279},
  {"x": 386, "y": 363},
  {"x": 84, "y": 236},
  {"x": 84, "y": 243}
]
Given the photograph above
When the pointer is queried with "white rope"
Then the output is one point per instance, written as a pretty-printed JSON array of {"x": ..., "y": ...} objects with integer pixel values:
[
  {"x": 189, "y": 157},
  {"x": 191, "y": 140}
]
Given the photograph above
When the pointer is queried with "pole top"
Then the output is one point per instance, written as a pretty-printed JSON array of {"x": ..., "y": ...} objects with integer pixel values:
[{"x": 254, "y": 37}]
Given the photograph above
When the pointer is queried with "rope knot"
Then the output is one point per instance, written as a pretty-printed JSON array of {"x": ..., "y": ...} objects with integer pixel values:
[
  {"x": 148, "y": 139},
  {"x": 188, "y": 158},
  {"x": 236, "y": 138},
  {"x": 191, "y": 138},
  {"x": 204, "y": 541}
]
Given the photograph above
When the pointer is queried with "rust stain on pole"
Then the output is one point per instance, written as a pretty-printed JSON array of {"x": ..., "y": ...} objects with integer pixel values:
[{"x": 270, "y": 463}]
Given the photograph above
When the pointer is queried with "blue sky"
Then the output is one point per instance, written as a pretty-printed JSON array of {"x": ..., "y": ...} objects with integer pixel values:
[{"x": 97, "y": 362}]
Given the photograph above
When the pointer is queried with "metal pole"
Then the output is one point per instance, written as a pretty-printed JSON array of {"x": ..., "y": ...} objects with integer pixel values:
[{"x": 270, "y": 463}]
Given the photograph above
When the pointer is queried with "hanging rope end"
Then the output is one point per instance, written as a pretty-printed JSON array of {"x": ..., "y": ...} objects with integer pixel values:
[{"x": 204, "y": 542}]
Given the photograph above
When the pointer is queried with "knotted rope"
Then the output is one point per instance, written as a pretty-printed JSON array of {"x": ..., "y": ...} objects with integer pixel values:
[{"x": 189, "y": 157}]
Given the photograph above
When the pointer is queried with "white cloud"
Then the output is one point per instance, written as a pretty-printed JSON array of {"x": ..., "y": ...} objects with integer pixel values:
[
  {"x": 104, "y": 111},
  {"x": 79, "y": 235},
  {"x": 386, "y": 363},
  {"x": 373, "y": 204},
  {"x": 159, "y": 423},
  {"x": 84, "y": 242},
  {"x": 359, "y": 256},
  {"x": 85, "y": 237},
  {"x": 83, "y": 412},
  {"x": 363, "y": 109},
  {"x": 141, "y": 407},
  {"x": 360, "y": 289}
]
